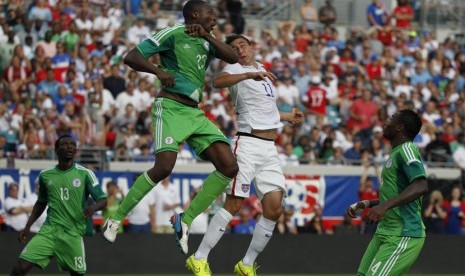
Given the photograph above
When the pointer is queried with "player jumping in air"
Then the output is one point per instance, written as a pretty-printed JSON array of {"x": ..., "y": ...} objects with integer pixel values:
[
  {"x": 254, "y": 98},
  {"x": 400, "y": 234},
  {"x": 185, "y": 51},
  {"x": 64, "y": 189}
]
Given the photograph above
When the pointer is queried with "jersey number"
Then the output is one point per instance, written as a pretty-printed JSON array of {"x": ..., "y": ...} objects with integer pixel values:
[
  {"x": 374, "y": 267},
  {"x": 201, "y": 61},
  {"x": 268, "y": 89},
  {"x": 317, "y": 99},
  {"x": 79, "y": 262},
  {"x": 64, "y": 193}
]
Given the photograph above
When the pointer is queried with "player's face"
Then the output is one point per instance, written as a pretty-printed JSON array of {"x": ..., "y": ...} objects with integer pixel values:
[
  {"x": 244, "y": 50},
  {"x": 390, "y": 128},
  {"x": 207, "y": 17},
  {"x": 66, "y": 149}
]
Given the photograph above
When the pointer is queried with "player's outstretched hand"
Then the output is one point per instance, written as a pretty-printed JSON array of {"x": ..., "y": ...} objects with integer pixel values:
[
  {"x": 88, "y": 212},
  {"x": 195, "y": 30},
  {"x": 354, "y": 208},
  {"x": 23, "y": 235},
  {"x": 166, "y": 79}
]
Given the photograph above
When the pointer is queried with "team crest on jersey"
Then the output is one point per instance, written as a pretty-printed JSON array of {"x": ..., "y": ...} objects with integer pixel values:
[
  {"x": 169, "y": 140},
  {"x": 389, "y": 163},
  {"x": 245, "y": 188},
  {"x": 206, "y": 45},
  {"x": 77, "y": 182}
]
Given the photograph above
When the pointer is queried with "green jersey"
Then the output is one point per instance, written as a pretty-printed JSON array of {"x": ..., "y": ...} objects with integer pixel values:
[
  {"x": 401, "y": 169},
  {"x": 66, "y": 194},
  {"x": 185, "y": 57}
]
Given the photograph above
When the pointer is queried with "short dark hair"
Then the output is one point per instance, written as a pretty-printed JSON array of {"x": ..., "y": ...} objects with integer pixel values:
[
  {"x": 190, "y": 7},
  {"x": 57, "y": 142},
  {"x": 412, "y": 122},
  {"x": 233, "y": 37}
]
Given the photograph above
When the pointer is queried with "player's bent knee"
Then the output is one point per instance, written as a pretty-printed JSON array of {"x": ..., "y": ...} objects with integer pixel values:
[
  {"x": 273, "y": 213},
  {"x": 230, "y": 170}
]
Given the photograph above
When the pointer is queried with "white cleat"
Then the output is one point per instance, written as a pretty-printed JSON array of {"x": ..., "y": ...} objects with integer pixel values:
[{"x": 110, "y": 229}]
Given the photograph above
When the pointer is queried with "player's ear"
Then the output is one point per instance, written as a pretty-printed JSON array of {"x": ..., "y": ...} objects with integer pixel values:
[{"x": 195, "y": 15}]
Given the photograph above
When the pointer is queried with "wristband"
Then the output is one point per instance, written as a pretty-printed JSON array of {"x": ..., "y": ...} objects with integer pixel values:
[{"x": 366, "y": 203}]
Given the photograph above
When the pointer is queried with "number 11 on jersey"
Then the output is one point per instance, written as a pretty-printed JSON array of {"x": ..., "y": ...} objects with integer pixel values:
[{"x": 268, "y": 89}]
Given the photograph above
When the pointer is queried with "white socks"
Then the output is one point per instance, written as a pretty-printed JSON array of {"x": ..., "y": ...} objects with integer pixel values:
[
  {"x": 261, "y": 235},
  {"x": 214, "y": 233}
]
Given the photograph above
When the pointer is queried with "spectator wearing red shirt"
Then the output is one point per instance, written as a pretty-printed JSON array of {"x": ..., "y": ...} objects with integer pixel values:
[
  {"x": 363, "y": 113},
  {"x": 315, "y": 98},
  {"x": 374, "y": 68},
  {"x": 403, "y": 14}
]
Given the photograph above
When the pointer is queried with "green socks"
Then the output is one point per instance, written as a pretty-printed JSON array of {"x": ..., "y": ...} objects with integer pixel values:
[
  {"x": 212, "y": 187},
  {"x": 140, "y": 188}
]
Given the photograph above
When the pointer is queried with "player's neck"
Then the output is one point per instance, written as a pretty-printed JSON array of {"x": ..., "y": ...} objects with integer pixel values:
[
  {"x": 65, "y": 165},
  {"x": 399, "y": 141}
]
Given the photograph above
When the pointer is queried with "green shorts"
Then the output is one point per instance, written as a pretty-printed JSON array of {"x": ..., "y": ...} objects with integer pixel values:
[
  {"x": 174, "y": 123},
  {"x": 53, "y": 241},
  {"x": 390, "y": 255}
]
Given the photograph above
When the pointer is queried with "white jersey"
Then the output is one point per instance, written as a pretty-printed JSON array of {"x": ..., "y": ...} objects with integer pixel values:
[{"x": 255, "y": 101}]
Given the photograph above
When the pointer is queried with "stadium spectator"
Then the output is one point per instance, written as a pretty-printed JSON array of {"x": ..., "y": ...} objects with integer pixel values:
[
  {"x": 435, "y": 213},
  {"x": 114, "y": 197},
  {"x": 327, "y": 14},
  {"x": 377, "y": 14},
  {"x": 17, "y": 210},
  {"x": 246, "y": 223},
  {"x": 455, "y": 209},
  {"x": 166, "y": 201},
  {"x": 285, "y": 225},
  {"x": 138, "y": 32},
  {"x": 309, "y": 15},
  {"x": 403, "y": 14},
  {"x": 346, "y": 227},
  {"x": 115, "y": 83},
  {"x": 142, "y": 218}
]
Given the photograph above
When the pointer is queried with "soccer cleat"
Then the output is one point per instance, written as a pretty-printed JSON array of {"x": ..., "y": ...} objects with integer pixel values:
[
  {"x": 198, "y": 267},
  {"x": 245, "y": 270},
  {"x": 181, "y": 231},
  {"x": 110, "y": 229}
]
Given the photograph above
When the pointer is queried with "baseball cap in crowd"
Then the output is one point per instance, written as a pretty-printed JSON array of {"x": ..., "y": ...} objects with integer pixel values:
[
  {"x": 315, "y": 79},
  {"x": 377, "y": 129},
  {"x": 412, "y": 34}
]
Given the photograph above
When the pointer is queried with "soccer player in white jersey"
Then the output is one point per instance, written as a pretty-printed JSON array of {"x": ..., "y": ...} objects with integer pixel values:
[{"x": 254, "y": 98}]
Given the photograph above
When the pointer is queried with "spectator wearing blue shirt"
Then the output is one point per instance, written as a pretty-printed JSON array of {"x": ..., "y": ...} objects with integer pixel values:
[
  {"x": 441, "y": 79},
  {"x": 131, "y": 7},
  {"x": 377, "y": 14},
  {"x": 61, "y": 98},
  {"x": 413, "y": 42},
  {"x": 49, "y": 85},
  {"x": 40, "y": 12},
  {"x": 246, "y": 224},
  {"x": 355, "y": 153},
  {"x": 420, "y": 75}
]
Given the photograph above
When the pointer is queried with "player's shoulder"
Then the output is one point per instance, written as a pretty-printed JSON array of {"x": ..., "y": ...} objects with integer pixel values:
[
  {"x": 47, "y": 171},
  {"x": 176, "y": 29},
  {"x": 81, "y": 168},
  {"x": 233, "y": 67},
  {"x": 409, "y": 153}
]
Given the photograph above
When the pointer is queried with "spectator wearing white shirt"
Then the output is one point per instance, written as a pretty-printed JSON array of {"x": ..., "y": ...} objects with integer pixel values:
[
  {"x": 103, "y": 26},
  {"x": 138, "y": 32},
  {"x": 16, "y": 209},
  {"x": 287, "y": 157},
  {"x": 126, "y": 97},
  {"x": 143, "y": 102},
  {"x": 288, "y": 94},
  {"x": 84, "y": 25},
  {"x": 166, "y": 201},
  {"x": 142, "y": 218}
]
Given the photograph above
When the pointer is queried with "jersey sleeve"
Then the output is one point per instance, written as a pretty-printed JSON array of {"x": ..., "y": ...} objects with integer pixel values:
[
  {"x": 411, "y": 162},
  {"x": 152, "y": 45},
  {"x": 42, "y": 197},
  {"x": 93, "y": 186},
  {"x": 232, "y": 69}
]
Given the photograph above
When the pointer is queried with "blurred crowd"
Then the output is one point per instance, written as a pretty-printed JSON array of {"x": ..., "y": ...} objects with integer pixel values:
[{"x": 62, "y": 72}]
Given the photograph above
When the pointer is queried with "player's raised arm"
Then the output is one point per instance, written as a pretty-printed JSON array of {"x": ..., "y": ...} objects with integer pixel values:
[
  {"x": 224, "y": 79},
  {"x": 137, "y": 61},
  {"x": 223, "y": 50}
]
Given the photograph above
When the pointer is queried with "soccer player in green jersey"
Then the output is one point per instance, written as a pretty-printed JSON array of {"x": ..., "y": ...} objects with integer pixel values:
[
  {"x": 185, "y": 51},
  {"x": 65, "y": 190},
  {"x": 400, "y": 234}
]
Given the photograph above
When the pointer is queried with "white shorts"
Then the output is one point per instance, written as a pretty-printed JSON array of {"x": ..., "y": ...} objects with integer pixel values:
[{"x": 258, "y": 163}]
